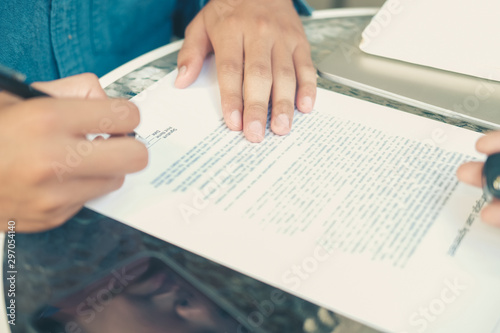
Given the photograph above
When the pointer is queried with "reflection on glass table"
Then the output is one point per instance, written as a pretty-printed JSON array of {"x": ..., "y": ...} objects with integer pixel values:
[{"x": 147, "y": 295}]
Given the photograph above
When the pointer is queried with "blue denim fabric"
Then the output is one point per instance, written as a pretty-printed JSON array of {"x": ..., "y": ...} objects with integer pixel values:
[
  {"x": 301, "y": 5},
  {"x": 48, "y": 39}
]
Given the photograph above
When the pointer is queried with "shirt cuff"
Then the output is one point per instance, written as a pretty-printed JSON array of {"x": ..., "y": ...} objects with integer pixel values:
[{"x": 302, "y": 6}]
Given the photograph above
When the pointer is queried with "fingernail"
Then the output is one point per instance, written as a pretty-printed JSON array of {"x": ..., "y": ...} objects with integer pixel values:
[
  {"x": 255, "y": 131},
  {"x": 182, "y": 71},
  {"x": 235, "y": 119},
  {"x": 180, "y": 75},
  {"x": 282, "y": 124},
  {"x": 307, "y": 104},
  {"x": 178, "y": 80}
]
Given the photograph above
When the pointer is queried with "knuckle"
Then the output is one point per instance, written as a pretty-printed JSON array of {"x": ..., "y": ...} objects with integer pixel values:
[
  {"x": 256, "y": 107},
  {"x": 230, "y": 100},
  {"x": 186, "y": 55},
  {"x": 262, "y": 25},
  {"x": 309, "y": 90},
  {"x": 286, "y": 72},
  {"x": 308, "y": 87},
  {"x": 306, "y": 66},
  {"x": 283, "y": 106},
  {"x": 259, "y": 69},
  {"x": 232, "y": 22},
  {"x": 90, "y": 78},
  {"x": 309, "y": 68},
  {"x": 231, "y": 67}
]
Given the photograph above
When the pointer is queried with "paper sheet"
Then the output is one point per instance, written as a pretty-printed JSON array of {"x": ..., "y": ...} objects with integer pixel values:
[
  {"x": 357, "y": 210},
  {"x": 457, "y": 36}
]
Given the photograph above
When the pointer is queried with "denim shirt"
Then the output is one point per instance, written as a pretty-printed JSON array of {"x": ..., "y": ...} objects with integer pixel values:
[{"x": 49, "y": 39}]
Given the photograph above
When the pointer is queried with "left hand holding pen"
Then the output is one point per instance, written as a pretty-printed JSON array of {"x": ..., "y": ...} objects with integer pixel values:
[
  {"x": 259, "y": 45},
  {"x": 471, "y": 173}
]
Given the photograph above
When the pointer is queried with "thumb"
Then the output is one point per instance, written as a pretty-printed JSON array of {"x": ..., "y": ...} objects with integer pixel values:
[{"x": 193, "y": 52}]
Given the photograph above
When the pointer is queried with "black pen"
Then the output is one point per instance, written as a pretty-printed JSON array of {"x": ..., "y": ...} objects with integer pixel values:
[{"x": 15, "y": 83}]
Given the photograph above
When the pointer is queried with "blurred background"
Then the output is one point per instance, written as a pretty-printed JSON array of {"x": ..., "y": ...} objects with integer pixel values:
[{"x": 323, "y": 4}]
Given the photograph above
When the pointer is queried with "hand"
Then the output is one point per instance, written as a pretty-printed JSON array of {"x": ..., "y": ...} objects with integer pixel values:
[
  {"x": 48, "y": 168},
  {"x": 260, "y": 45},
  {"x": 471, "y": 173}
]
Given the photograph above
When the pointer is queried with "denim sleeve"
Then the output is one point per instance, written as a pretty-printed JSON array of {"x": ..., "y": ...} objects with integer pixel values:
[
  {"x": 187, "y": 9},
  {"x": 302, "y": 6}
]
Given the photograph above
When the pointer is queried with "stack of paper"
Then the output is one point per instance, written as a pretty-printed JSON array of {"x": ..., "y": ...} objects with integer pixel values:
[{"x": 457, "y": 36}]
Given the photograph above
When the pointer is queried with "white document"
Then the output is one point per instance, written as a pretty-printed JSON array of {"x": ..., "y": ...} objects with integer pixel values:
[
  {"x": 458, "y": 36},
  {"x": 357, "y": 210}
]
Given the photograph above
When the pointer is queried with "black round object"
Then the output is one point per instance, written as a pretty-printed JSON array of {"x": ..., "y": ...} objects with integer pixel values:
[{"x": 491, "y": 177}]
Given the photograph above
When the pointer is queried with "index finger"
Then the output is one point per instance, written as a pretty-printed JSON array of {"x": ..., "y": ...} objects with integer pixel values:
[{"x": 112, "y": 116}]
